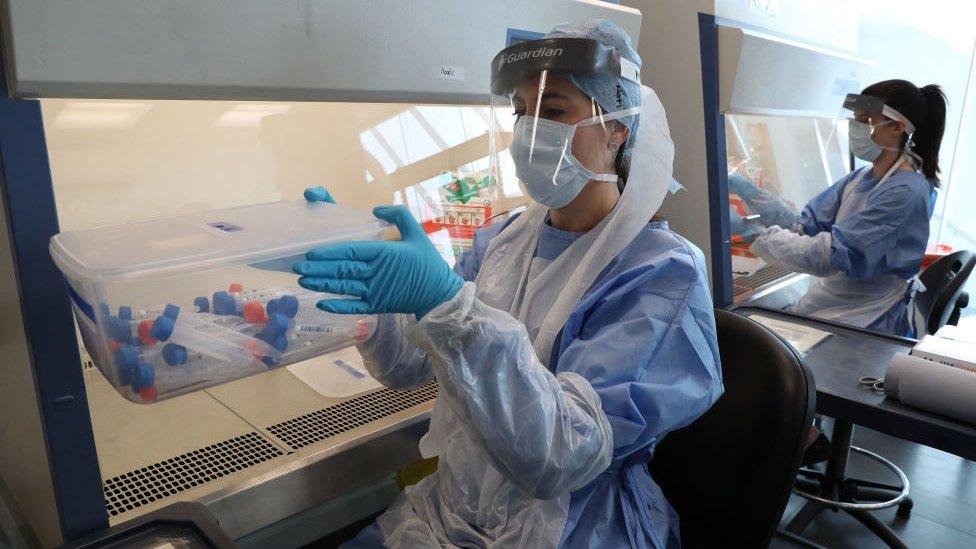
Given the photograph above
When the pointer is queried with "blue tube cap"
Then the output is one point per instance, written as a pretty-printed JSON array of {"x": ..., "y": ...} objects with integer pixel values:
[
  {"x": 126, "y": 360},
  {"x": 143, "y": 375},
  {"x": 279, "y": 342},
  {"x": 162, "y": 328},
  {"x": 125, "y": 312},
  {"x": 126, "y": 375},
  {"x": 270, "y": 361},
  {"x": 127, "y": 357},
  {"x": 174, "y": 354},
  {"x": 119, "y": 329},
  {"x": 171, "y": 311},
  {"x": 202, "y": 304},
  {"x": 278, "y": 324},
  {"x": 224, "y": 304},
  {"x": 288, "y": 306}
]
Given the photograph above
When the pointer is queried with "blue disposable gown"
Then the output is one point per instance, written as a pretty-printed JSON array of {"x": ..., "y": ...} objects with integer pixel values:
[
  {"x": 863, "y": 252},
  {"x": 888, "y": 236},
  {"x": 643, "y": 336}
]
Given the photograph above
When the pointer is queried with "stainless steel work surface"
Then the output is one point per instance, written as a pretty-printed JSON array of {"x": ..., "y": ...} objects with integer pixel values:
[
  {"x": 129, "y": 436},
  {"x": 318, "y": 474},
  {"x": 770, "y": 287},
  {"x": 270, "y": 398},
  {"x": 255, "y": 450}
]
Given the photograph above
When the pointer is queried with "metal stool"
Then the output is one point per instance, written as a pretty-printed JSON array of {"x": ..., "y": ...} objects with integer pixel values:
[{"x": 833, "y": 490}]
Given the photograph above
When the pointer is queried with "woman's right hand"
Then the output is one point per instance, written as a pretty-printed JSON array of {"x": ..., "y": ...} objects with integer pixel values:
[
  {"x": 319, "y": 194},
  {"x": 739, "y": 226}
]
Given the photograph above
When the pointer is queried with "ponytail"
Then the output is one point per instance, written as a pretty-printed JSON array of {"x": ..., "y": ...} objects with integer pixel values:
[
  {"x": 927, "y": 138},
  {"x": 926, "y": 109}
]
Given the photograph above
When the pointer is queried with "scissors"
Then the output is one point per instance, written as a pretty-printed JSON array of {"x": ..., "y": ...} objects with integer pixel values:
[{"x": 876, "y": 383}]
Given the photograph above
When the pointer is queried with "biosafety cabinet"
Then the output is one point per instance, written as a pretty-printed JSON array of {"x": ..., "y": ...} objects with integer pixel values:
[
  {"x": 752, "y": 88},
  {"x": 120, "y": 111}
]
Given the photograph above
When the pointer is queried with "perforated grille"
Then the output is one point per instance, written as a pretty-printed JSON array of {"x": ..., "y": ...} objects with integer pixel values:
[
  {"x": 166, "y": 478},
  {"x": 329, "y": 422},
  {"x": 759, "y": 279}
]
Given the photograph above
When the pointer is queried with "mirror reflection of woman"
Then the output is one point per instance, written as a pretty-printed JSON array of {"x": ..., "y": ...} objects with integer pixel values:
[{"x": 864, "y": 237}]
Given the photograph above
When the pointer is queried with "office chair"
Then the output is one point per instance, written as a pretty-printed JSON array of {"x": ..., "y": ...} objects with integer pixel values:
[
  {"x": 729, "y": 473},
  {"x": 943, "y": 299}
]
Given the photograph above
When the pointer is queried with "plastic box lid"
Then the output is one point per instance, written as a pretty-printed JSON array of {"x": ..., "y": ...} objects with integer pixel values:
[{"x": 219, "y": 237}]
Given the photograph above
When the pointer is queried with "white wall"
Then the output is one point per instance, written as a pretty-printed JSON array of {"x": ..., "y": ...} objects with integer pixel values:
[
  {"x": 958, "y": 226},
  {"x": 930, "y": 45}
]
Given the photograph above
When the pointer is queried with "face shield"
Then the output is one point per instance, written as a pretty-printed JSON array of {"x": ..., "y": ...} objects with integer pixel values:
[
  {"x": 866, "y": 113},
  {"x": 868, "y": 109},
  {"x": 548, "y": 140},
  {"x": 560, "y": 138}
]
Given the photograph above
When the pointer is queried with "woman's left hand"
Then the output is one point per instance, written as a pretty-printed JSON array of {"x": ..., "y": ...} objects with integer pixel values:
[{"x": 405, "y": 276}]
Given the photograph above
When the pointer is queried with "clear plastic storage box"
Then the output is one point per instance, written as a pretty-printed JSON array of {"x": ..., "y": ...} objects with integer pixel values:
[{"x": 175, "y": 305}]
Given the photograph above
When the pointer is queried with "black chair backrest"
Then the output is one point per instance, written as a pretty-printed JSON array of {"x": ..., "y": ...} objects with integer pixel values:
[
  {"x": 729, "y": 474},
  {"x": 943, "y": 282}
]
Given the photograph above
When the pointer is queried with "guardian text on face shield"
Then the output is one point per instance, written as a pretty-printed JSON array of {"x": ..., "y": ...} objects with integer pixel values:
[{"x": 534, "y": 54}]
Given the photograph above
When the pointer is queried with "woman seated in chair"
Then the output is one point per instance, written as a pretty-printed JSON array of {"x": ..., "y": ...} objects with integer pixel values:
[{"x": 864, "y": 237}]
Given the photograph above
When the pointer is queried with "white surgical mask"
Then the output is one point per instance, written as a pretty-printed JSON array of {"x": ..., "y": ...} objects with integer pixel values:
[
  {"x": 862, "y": 146},
  {"x": 544, "y": 161}
]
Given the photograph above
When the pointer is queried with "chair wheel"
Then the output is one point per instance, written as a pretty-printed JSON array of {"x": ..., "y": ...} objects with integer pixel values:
[{"x": 905, "y": 509}]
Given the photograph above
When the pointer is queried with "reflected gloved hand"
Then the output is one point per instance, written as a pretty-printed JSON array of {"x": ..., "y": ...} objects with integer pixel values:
[
  {"x": 319, "y": 194},
  {"x": 743, "y": 186},
  {"x": 748, "y": 231},
  {"x": 405, "y": 276}
]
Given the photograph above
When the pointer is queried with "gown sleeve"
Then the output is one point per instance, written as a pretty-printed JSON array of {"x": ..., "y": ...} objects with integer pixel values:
[
  {"x": 646, "y": 362},
  {"x": 393, "y": 360}
]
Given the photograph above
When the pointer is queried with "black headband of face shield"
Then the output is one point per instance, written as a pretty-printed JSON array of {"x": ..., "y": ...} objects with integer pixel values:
[
  {"x": 515, "y": 64},
  {"x": 856, "y": 102},
  {"x": 875, "y": 106}
]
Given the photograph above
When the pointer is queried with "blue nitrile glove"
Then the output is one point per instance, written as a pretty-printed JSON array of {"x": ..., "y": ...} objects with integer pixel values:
[
  {"x": 405, "y": 276},
  {"x": 319, "y": 194},
  {"x": 748, "y": 231},
  {"x": 772, "y": 209},
  {"x": 742, "y": 186}
]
